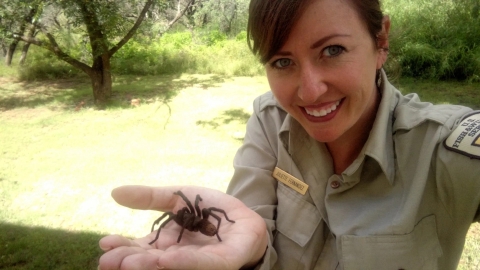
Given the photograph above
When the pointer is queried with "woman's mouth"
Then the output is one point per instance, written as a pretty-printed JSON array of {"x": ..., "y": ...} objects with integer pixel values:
[{"x": 323, "y": 111}]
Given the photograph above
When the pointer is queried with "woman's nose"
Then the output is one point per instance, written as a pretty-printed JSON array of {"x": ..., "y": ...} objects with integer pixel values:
[{"x": 312, "y": 85}]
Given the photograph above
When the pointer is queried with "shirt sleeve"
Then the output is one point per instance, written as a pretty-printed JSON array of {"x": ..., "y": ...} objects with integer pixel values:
[
  {"x": 458, "y": 170},
  {"x": 254, "y": 162}
]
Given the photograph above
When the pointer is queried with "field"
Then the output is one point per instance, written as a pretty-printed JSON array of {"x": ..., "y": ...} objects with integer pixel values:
[{"x": 60, "y": 158}]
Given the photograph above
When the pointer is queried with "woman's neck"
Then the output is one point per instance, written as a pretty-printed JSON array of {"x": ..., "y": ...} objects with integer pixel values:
[{"x": 346, "y": 149}]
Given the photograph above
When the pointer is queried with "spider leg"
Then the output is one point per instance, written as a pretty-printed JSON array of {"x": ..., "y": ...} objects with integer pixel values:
[
  {"x": 170, "y": 217},
  {"x": 208, "y": 212},
  {"x": 186, "y": 224},
  {"x": 221, "y": 211},
  {"x": 189, "y": 204},
  {"x": 197, "y": 200},
  {"x": 181, "y": 233}
]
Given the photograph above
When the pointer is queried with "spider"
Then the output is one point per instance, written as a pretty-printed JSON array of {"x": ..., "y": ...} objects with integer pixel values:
[{"x": 191, "y": 220}]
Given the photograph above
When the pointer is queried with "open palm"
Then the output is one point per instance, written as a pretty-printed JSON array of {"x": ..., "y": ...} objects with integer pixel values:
[{"x": 243, "y": 242}]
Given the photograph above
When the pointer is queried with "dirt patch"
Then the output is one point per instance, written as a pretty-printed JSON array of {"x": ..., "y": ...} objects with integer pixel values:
[{"x": 26, "y": 113}]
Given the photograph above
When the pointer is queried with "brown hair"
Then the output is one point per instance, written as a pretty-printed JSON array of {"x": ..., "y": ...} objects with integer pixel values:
[{"x": 270, "y": 22}]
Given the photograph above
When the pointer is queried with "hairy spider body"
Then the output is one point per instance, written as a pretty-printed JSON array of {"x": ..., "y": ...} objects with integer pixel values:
[{"x": 192, "y": 219}]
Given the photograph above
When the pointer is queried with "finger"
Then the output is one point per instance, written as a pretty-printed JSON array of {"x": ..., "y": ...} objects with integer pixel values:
[
  {"x": 114, "y": 241},
  {"x": 188, "y": 259},
  {"x": 142, "y": 261},
  {"x": 158, "y": 198},
  {"x": 145, "y": 197},
  {"x": 128, "y": 258}
]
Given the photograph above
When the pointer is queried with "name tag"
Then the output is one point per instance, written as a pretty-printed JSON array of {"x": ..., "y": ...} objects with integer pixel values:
[{"x": 290, "y": 181}]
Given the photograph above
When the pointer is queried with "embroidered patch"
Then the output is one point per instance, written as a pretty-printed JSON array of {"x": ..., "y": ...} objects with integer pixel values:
[{"x": 465, "y": 139}]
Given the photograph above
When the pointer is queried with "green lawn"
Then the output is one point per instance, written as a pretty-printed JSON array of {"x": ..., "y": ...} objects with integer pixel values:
[{"x": 60, "y": 158}]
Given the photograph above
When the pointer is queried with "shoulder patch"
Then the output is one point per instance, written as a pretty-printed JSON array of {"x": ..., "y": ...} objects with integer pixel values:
[{"x": 465, "y": 139}]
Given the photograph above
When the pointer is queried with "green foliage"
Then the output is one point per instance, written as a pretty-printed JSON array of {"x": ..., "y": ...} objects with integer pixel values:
[
  {"x": 226, "y": 16},
  {"x": 214, "y": 37},
  {"x": 180, "y": 52},
  {"x": 165, "y": 56},
  {"x": 42, "y": 65},
  {"x": 242, "y": 36},
  {"x": 435, "y": 39}
]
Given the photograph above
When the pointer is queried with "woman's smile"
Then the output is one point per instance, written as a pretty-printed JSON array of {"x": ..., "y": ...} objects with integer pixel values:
[{"x": 322, "y": 112}]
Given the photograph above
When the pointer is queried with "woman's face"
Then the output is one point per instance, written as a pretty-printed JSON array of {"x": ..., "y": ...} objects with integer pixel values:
[{"x": 324, "y": 75}]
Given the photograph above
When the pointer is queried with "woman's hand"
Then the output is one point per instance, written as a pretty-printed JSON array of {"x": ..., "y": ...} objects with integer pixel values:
[{"x": 243, "y": 242}]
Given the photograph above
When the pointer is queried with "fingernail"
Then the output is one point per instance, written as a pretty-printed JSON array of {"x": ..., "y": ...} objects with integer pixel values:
[
  {"x": 105, "y": 248},
  {"x": 160, "y": 267}
]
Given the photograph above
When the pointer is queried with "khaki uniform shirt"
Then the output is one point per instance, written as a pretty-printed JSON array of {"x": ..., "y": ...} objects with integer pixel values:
[{"x": 406, "y": 202}]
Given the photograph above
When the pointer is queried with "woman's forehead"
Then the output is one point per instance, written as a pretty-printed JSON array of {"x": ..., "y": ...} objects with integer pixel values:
[{"x": 322, "y": 18}]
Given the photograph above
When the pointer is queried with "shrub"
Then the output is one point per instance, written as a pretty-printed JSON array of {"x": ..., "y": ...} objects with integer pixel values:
[
  {"x": 435, "y": 39},
  {"x": 209, "y": 52},
  {"x": 42, "y": 65}
]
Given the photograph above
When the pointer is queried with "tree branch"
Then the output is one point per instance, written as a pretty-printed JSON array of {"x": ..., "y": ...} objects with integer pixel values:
[
  {"x": 98, "y": 41},
  {"x": 132, "y": 31},
  {"x": 180, "y": 13},
  {"x": 52, "y": 46}
]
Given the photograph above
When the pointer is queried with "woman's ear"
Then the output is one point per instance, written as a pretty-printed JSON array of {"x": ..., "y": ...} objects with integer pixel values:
[{"x": 382, "y": 42}]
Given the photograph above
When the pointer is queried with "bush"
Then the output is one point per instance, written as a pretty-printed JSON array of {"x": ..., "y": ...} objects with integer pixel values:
[
  {"x": 43, "y": 65},
  {"x": 180, "y": 52},
  {"x": 435, "y": 39}
]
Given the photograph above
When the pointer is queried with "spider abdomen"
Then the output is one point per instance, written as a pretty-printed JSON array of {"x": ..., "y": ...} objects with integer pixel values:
[{"x": 207, "y": 228}]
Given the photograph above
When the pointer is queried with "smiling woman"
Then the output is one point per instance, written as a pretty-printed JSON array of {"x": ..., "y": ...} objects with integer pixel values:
[
  {"x": 338, "y": 169},
  {"x": 330, "y": 68}
]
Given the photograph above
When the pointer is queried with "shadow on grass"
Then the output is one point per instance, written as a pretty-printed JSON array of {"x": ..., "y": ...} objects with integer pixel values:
[
  {"x": 225, "y": 118},
  {"x": 42, "y": 248},
  {"x": 76, "y": 93}
]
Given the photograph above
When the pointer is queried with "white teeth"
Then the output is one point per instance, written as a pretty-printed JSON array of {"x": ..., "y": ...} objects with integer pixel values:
[{"x": 323, "y": 112}]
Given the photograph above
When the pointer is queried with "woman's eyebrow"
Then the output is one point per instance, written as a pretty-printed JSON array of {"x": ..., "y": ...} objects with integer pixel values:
[
  {"x": 315, "y": 45},
  {"x": 321, "y": 41}
]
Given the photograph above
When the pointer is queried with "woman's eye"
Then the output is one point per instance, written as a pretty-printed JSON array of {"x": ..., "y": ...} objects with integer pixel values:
[
  {"x": 333, "y": 50},
  {"x": 282, "y": 63}
]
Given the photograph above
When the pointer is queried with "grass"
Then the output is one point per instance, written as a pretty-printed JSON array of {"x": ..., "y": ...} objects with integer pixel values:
[
  {"x": 442, "y": 92},
  {"x": 60, "y": 158},
  {"x": 59, "y": 164}
]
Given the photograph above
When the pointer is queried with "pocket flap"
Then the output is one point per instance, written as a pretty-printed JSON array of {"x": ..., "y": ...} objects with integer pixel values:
[{"x": 297, "y": 219}]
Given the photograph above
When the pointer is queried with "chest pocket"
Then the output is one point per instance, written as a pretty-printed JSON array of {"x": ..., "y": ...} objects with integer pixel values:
[
  {"x": 297, "y": 219},
  {"x": 296, "y": 223},
  {"x": 419, "y": 249}
]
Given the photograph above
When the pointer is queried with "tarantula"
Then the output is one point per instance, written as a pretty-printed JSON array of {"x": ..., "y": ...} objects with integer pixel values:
[{"x": 191, "y": 220}]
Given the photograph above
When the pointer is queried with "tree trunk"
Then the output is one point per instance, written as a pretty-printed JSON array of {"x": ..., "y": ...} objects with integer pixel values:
[
  {"x": 10, "y": 51},
  {"x": 26, "y": 20},
  {"x": 26, "y": 46},
  {"x": 4, "y": 50},
  {"x": 101, "y": 77},
  {"x": 24, "y": 53}
]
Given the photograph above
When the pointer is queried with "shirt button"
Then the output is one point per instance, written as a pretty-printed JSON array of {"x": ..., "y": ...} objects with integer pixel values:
[{"x": 335, "y": 184}]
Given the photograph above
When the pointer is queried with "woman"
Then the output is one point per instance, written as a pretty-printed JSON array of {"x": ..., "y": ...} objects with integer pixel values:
[{"x": 338, "y": 170}]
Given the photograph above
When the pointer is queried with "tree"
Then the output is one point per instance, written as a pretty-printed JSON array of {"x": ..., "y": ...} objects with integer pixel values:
[
  {"x": 30, "y": 33},
  {"x": 16, "y": 17},
  {"x": 228, "y": 16},
  {"x": 102, "y": 26}
]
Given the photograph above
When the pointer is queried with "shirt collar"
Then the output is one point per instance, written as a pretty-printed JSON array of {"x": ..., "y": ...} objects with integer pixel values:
[{"x": 379, "y": 145}]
